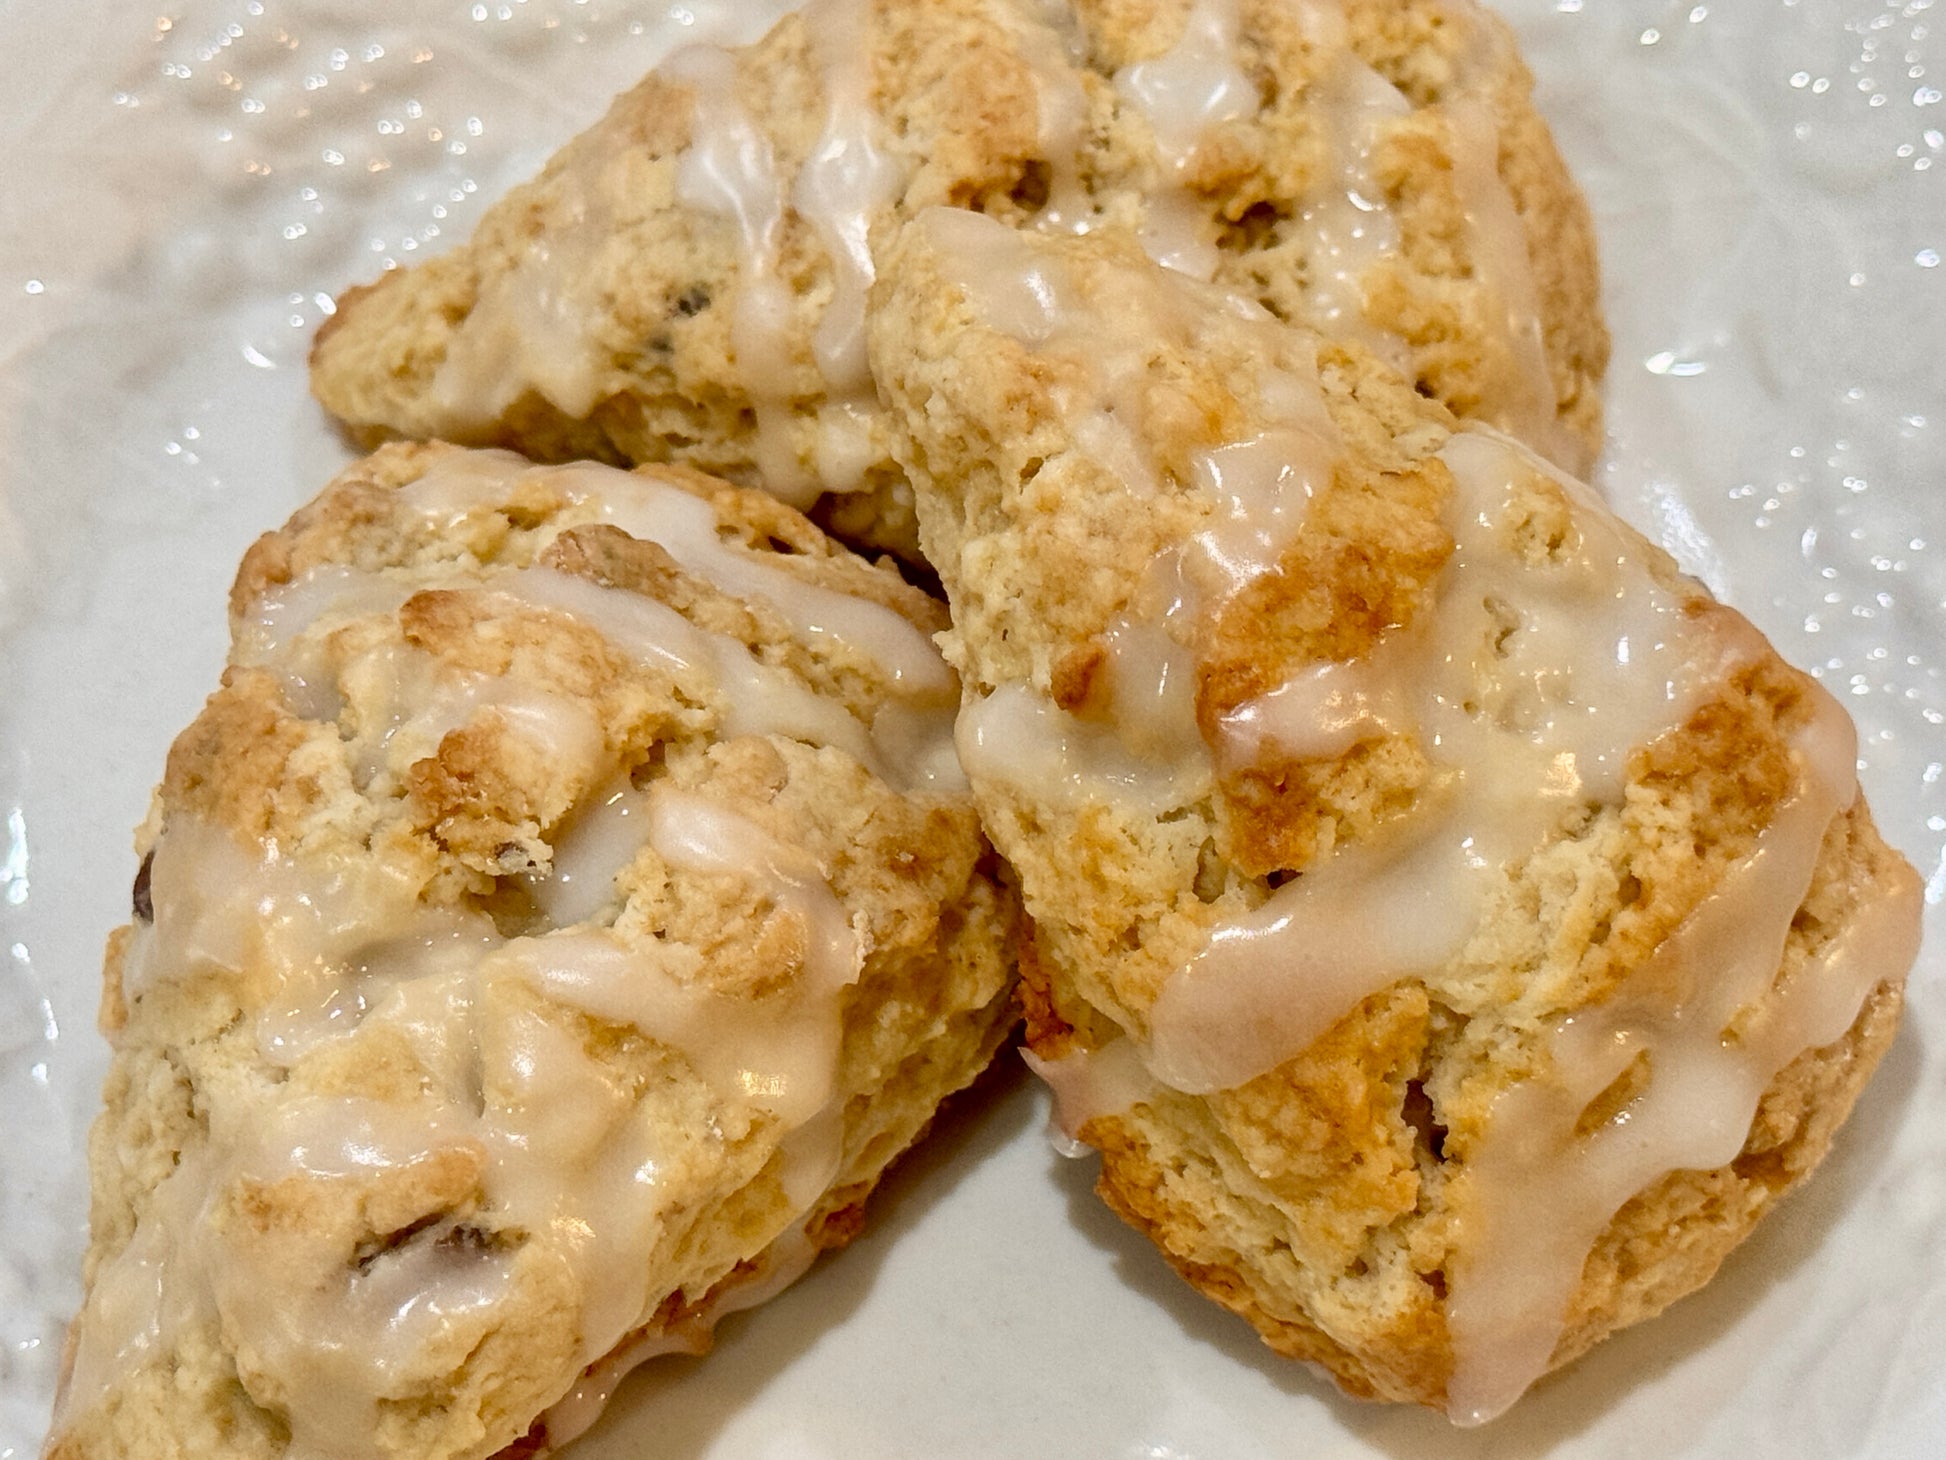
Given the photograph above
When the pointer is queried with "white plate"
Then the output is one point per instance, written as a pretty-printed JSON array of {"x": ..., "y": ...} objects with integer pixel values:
[{"x": 179, "y": 197}]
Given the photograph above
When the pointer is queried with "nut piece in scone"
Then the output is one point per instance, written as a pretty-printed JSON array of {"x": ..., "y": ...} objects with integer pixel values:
[
  {"x": 564, "y": 911},
  {"x": 686, "y": 280},
  {"x": 1453, "y": 928}
]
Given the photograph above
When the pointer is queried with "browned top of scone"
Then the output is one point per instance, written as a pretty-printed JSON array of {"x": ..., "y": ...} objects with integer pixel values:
[
  {"x": 568, "y": 895},
  {"x": 1355, "y": 768},
  {"x": 683, "y": 279}
]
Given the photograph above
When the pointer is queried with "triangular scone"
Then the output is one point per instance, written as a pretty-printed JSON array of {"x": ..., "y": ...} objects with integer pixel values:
[
  {"x": 1452, "y": 926},
  {"x": 561, "y": 916},
  {"x": 685, "y": 280}
]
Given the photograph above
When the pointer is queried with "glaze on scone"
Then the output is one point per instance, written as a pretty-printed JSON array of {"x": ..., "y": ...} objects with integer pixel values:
[
  {"x": 562, "y": 914},
  {"x": 686, "y": 280},
  {"x": 1453, "y": 928}
]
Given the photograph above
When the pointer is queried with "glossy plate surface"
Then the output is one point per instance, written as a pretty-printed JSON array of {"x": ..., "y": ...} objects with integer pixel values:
[{"x": 181, "y": 192}]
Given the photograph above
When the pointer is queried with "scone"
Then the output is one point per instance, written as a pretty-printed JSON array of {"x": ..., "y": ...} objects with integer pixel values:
[
  {"x": 686, "y": 280},
  {"x": 1453, "y": 928},
  {"x": 546, "y": 936}
]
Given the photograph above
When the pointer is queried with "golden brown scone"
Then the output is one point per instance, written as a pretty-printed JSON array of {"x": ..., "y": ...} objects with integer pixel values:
[
  {"x": 1453, "y": 928},
  {"x": 684, "y": 281},
  {"x": 546, "y": 936}
]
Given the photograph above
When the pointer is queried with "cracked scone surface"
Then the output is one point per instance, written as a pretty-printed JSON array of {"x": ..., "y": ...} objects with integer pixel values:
[
  {"x": 1452, "y": 927},
  {"x": 685, "y": 280},
  {"x": 543, "y": 940}
]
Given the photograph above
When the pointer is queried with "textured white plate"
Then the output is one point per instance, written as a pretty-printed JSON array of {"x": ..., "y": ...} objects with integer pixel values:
[{"x": 181, "y": 193}]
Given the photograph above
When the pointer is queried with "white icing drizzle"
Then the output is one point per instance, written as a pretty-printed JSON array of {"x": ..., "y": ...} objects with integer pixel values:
[
  {"x": 1195, "y": 86},
  {"x": 1529, "y": 684},
  {"x": 1017, "y": 737},
  {"x": 730, "y": 170},
  {"x": 1152, "y": 688},
  {"x": 286, "y": 612},
  {"x": 646, "y": 629},
  {"x": 1091, "y": 1084},
  {"x": 421, "y": 699},
  {"x": 845, "y": 181},
  {"x": 135, "y": 1311},
  {"x": 1318, "y": 713},
  {"x": 273, "y": 633},
  {"x": 849, "y": 443},
  {"x": 538, "y": 326},
  {"x": 1348, "y": 228},
  {"x": 760, "y": 699},
  {"x": 1522, "y": 398},
  {"x": 1150, "y": 659},
  {"x": 1539, "y": 1192},
  {"x": 594, "y": 847},
  {"x": 770, "y": 1056},
  {"x": 1261, "y": 486},
  {"x": 1048, "y": 39},
  {"x": 1023, "y": 292},
  {"x": 294, "y": 934},
  {"x": 565, "y": 732},
  {"x": 353, "y": 1331},
  {"x": 687, "y": 526},
  {"x": 692, "y": 832},
  {"x": 430, "y": 946},
  {"x": 915, "y": 748}
]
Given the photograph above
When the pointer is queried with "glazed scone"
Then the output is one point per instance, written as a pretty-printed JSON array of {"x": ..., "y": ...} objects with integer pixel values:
[
  {"x": 686, "y": 280},
  {"x": 1453, "y": 928},
  {"x": 562, "y": 914}
]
